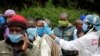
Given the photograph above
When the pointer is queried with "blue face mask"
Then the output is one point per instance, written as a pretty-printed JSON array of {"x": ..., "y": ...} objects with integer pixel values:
[
  {"x": 85, "y": 27},
  {"x": 15, "y": 38},
  {"x": 31, "y": 33},
  {"x": 40, "y": 31}
]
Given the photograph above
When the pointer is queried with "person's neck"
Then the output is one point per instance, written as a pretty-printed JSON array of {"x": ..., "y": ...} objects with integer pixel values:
[
  {"x": 79, "y": 31},
  {"x": 17, "y": 47},
  {"x": 62, "y": 27}
]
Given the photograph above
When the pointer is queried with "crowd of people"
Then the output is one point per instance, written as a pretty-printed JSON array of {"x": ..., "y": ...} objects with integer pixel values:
[{"x": 35, "y": 37}]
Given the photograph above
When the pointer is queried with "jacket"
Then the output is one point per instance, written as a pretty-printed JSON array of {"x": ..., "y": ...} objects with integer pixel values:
[
  {"x": 66, "y": 33},
  {"x": 87, "y": 45},
  {"x": 7, "y": 50},
  {"x": 47, "y": 46}
]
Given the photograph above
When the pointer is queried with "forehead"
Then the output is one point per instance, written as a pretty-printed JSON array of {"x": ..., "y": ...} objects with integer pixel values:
[
  {"x": 40, "y": 21},
  {"x": 15, "y": 27}
]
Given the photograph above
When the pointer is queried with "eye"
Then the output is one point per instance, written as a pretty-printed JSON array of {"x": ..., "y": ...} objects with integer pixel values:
[{"x": 17, "y": 30}]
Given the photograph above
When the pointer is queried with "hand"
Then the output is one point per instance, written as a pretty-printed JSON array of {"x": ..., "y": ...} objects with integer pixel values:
[{"x": 26, "y": 42}]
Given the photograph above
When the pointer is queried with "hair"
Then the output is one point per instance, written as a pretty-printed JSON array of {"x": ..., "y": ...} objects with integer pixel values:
[
  {"x": 77, "y": 21},
  {"x": 38, "y": 19}
]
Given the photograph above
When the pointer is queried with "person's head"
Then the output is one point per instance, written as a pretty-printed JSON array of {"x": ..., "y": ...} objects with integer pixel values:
[
  {"x": 9, "y": 13},
  {"x": 63, "y": 16},
  {"x": 17, "y": 26},
  {"x": 31, "y": 23},
  {"x": 31, "y": 30},
  {"x": 93, "y": 21},
  {"x": 39, "y": 22},
  {"x": 78, "y": 24},
  {"x": 63, "y": 20}
]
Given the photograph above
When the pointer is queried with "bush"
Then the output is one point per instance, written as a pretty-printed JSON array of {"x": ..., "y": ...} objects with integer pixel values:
[{"x": 52, "y": 13}]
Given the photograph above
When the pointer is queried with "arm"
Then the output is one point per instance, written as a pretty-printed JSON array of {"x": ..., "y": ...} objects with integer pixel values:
[{"x": 77, "y": 44}]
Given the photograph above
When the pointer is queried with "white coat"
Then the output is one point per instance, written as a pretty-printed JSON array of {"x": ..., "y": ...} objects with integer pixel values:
[{"x": 87, "y": 45}]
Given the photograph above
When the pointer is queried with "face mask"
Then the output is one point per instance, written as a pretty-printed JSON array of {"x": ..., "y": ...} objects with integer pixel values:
[
  {"x": 40, "y": 31},
  {"x": 15, "y": 38},
  {"x": 85, "y": 27},
  {"x": 63, "y": 23},
  {"x": 31, "y": 33}
]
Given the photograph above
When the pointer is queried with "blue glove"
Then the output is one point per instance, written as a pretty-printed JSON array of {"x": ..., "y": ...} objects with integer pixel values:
[{"x": 48, "y": 30}]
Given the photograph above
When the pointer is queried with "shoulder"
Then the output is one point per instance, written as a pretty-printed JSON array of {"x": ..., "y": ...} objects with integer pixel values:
[
  {"x": 72, "y": 27},
  {"x": 2, "y": 43},
  {"x": 4, "y": 50},
  {"x": 35, "y": 51},
  {"x": 56, "y": 28},
  {"x": 89, "y": 36}
]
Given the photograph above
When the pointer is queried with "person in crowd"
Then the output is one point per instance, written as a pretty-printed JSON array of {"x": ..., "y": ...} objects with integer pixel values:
[
  {"x": 87, "y": 45},
  {"x": 2, "y": 27},
  {"x": 78, "y": 32},
  {"x": 17, "y": 43},
  {"x": 9, "y": 13},
  {"x": 84, "y": 26},
  {"x": 43, "y": 28},
  {"x": 65, "y": 30},
  {"x": 42, "y": 34},
  {"x": 31, "y": 30}
]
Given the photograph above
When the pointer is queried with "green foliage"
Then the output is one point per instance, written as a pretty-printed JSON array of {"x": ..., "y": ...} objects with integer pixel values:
[{"x": 52, "y": 13}]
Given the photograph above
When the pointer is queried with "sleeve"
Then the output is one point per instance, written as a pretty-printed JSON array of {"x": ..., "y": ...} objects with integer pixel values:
[
  {"x": 77, "y": 44},
  {"x": 34, "y": 52}
]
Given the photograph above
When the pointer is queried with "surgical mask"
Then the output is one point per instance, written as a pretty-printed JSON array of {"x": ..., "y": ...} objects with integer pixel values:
[
  {"x": 40, "y": 31},
  {"x": 85, "y": 27},
  {"x": 31, "y": 33},
  {"x": 63, "y": 23},
  {"x": 15, "y": 38}
]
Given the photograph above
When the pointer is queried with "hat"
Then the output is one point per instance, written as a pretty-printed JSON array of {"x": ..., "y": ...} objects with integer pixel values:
[
  {"x": 9, "y": 12},
  {"x": 18, "y": 20},
  {"x": 93, "y": 20},
  {"x": 82, "y": 17}
]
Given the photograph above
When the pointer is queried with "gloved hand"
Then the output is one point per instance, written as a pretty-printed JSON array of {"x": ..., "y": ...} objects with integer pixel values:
[
  {"x": 45, "y": 24},
  {"x": 47, "y": 28}
]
